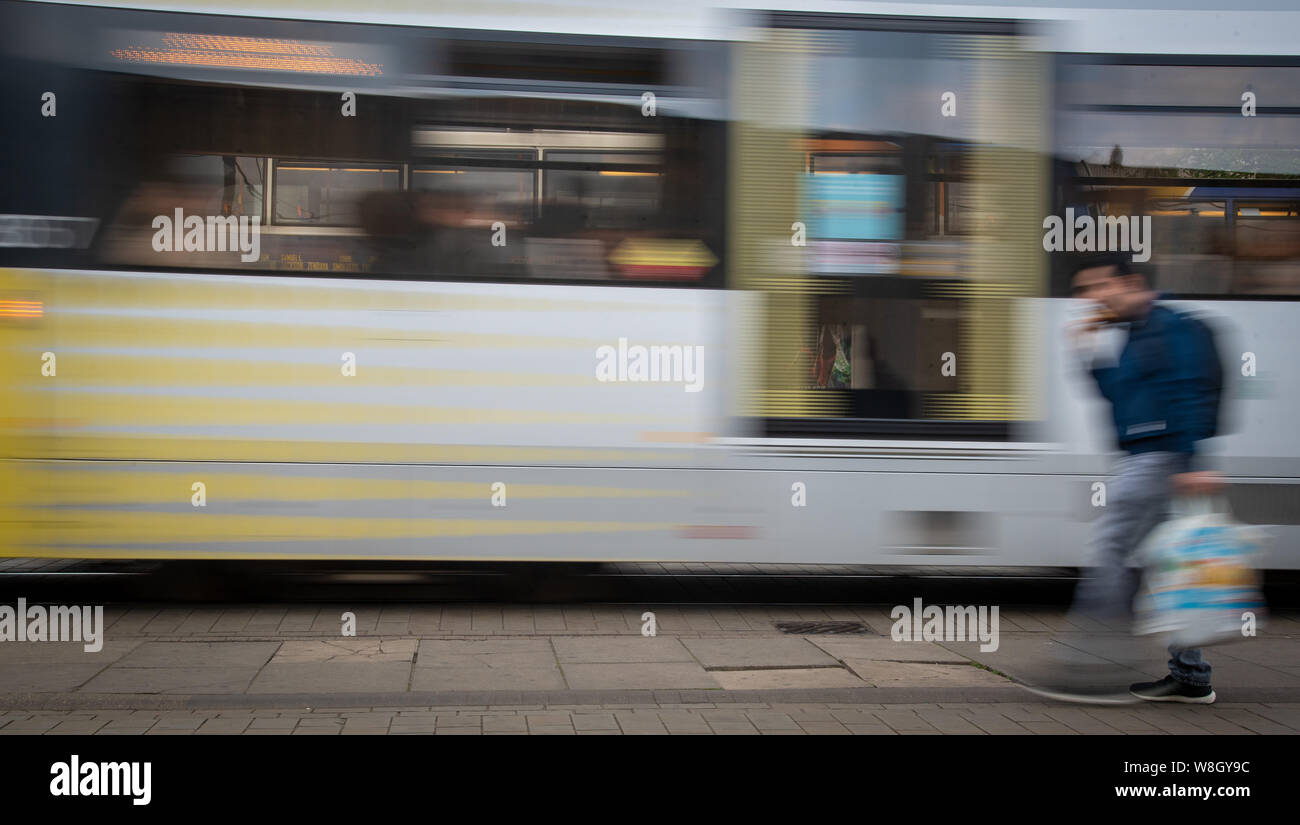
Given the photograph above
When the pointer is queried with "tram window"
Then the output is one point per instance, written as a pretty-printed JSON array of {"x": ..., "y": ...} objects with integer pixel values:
[
  {"x": 884, "y": 353},
  {"x": 587, "y": 191},
  {"x": 196, "y": 185},
  {"x": 595, "y": 198},
  {"x": 1266, "y": 238},
  {"x": 224, "y": 184},
  {"x": 1168, "y": 142},
  {"x": 1190, "y": 249},
  {"x": 1219, "y": 247},
  {"x": 581, "y": 203},
  {"x": 314, "y": 194},
  {"x": 210, "y": 184},
  {"x": 508, "y": 191}
]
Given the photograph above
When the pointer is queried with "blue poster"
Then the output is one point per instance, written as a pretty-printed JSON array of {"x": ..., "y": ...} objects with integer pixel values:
[{"x": 867, "y": 207}]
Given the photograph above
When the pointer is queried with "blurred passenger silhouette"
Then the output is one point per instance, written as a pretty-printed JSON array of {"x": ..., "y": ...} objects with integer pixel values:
[{"x": 1164, "y": 391}]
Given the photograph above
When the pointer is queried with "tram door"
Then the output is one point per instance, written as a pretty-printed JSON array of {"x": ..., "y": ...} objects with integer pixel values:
[{"x": 887, "y": 203}]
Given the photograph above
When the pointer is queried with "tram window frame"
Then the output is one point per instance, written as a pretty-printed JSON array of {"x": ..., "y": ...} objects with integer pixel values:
[
  {"x": 347, "y": 220},
  {"x": 571, "y": 160},
  {"x": 530, "y": 160},
  {"x": 568, "y": 147},
  {"x": 1073, "y": 176},
  {"x": 521, "y": 158},
  {"x": 230, "y": 102},
  {"x": 519, "y": 161},
  {"x": 872, "y": 411}
]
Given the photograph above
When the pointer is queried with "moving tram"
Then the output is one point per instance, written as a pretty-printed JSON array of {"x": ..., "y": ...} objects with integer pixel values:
[{"x": 748, "y": 286}]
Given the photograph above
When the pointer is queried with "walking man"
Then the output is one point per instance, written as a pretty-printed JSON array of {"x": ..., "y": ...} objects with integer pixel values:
[{"x": 1164, "y": 391}]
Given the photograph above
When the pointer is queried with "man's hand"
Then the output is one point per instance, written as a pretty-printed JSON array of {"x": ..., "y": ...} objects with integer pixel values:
[
  {"x": 1201, "y": 483},
  {"x": 1081, "y": 336}
]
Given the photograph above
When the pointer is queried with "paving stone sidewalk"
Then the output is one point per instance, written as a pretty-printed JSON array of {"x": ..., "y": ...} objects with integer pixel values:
[
  {"x": 486, "y": 648},
  {"x": 589, "y": 669}
]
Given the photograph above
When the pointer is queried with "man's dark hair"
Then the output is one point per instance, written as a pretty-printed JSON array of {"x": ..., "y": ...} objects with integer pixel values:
[{"x": 1122, "y": 262}]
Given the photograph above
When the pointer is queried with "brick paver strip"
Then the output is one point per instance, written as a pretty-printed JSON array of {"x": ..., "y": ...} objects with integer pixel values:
[{"x": 1009, "y": 696}]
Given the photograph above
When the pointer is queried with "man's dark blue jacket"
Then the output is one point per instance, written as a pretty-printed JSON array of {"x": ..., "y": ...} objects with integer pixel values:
[{"x": 1164, "y": 390}]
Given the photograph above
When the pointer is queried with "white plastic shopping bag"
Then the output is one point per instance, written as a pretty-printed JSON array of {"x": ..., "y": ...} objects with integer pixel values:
[{"x": 1199, "y": 584}]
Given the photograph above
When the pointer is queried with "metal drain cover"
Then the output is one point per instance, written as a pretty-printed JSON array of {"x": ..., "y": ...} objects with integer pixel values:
[{"x": 821, "y": 627}]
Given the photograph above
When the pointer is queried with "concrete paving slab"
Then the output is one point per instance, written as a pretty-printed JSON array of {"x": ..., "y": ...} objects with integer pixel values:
[
  {"x": 1024, "y": 620},
  {"x": 915, "y": 674},
  {"x": 200, "y": 654},
  {"x": 1267, "y": 652},
  {"x": 637, "y": 676},
  {"x": 479, "y": 677},
  {"x": 46, "y": 677},
  {"x": 619, "y": 650},
  {"x": 757, "y": 653},
  {"x": 1018, "y": 652},
  {"x": 885, "y": 649},
  {"x": 172, "y": 680},
  {"x": 46, "y": 653},
  {"x": 813, "y": 677},
  {"x": 332, "y": 677},
  {"x": 1229, "y": 673},
  {"x": 1115, "y": 647},
  {"x": 485, "y": 653},
  {"x": 487, "y": 664},
  {"x": 347, "y": 650}
]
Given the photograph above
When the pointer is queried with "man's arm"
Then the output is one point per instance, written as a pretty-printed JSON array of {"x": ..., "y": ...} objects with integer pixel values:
[
  {"x": 1083, "y": 340},
  {"x": 1189, "y": 390}
]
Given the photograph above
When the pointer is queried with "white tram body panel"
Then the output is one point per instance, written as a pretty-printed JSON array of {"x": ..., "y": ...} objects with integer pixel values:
[{"x": 212, "y": 415}]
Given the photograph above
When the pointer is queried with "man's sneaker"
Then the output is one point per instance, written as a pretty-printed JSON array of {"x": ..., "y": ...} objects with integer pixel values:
[{"x": 1170, "y": 689}]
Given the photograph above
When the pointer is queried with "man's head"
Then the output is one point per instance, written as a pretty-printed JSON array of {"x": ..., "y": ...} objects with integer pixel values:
[{"x": 1111, "y": 282}]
